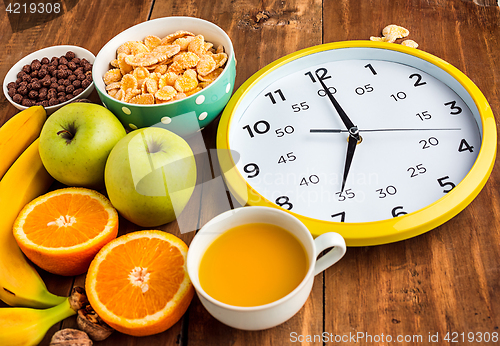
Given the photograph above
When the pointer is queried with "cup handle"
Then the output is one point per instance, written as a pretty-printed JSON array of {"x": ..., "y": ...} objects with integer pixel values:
[{"x": 325, "y": 241}]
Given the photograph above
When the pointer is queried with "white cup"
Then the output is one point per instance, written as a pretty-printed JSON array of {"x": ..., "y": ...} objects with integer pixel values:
[{"x": 279, "y": 311}]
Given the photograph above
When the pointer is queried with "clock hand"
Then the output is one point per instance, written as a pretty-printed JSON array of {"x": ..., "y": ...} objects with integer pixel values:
[
  {"x": 382, "y": 130},
  {"x": 351, "y": 147},
  {"x": 343, "y": 116}
]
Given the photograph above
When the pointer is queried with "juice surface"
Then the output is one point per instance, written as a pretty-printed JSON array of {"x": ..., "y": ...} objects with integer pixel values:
[{"x": 253, "y": 264}]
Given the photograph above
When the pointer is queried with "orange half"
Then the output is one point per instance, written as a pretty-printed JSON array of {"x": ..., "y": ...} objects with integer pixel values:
[
  {"x": 138, "y": 283},
  {"x": 63, "y": 230}
]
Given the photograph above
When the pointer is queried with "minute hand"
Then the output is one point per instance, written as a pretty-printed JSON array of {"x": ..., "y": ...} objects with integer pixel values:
[{"x": 345, "y": 119}]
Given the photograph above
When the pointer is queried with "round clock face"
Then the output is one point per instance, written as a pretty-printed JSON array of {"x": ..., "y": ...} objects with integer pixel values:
[{"x": 420, "y": 135}]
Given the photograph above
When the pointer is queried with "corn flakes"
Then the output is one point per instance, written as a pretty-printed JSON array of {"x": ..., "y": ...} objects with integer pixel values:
[{"x": 155, "y": 71}]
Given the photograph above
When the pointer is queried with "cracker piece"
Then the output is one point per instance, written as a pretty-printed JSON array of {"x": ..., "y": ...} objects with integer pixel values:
[
  {"x": 128, "y": 82},
  {"x": 114, "y": 85},
  {"x": 111, "y": 76},
  {"x": 409, "y": 43},
  {"x": 168, "y": 78},
  {"x": 172, "y": 37},
  {"x": 220, "y": 59},
  {"x": 144, "y": 99},
  {"x": 183, "y": 42},
  {"x": 206, "y": 65},
  {"x": 166, "y": 93},
  {"x": 197, "y": 46},
  {"x": 152, "y": 41},
  {"x": 211, "y": 76},
  {"x": 186, "y": 82}
]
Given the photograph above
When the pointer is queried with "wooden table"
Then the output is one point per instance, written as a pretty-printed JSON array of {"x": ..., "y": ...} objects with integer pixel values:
[{"x": 444, "y": 281}]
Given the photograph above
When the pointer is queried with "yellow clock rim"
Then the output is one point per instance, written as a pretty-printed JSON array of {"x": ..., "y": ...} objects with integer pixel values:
[{"x": 388, "y": 230}]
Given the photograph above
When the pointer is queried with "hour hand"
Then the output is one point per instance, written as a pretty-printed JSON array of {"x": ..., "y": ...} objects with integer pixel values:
[{"x": 351, "y": 147}]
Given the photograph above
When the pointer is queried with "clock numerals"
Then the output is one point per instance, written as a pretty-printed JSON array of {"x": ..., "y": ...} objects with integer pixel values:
[
  {"x": 342, "y": 216},
  {"x": 370, "y": 67},
  {"x": 400, "y": 95},
  {"x": 252, "y": 169},
  {"x": 289, "y": 158},
  {"x": 464, "y": 146},
  {"x": 447, "y": 184},
  {"x": 397, "y": 211},
  {"x": 279, "y": 93},
  {"x": 455, "y": 110},
  {"x": 388, "y": 191},
  {"x": 430, "y": 142},
  {"x": 418, "y": 78},
  {"x": 313, "y": 179},
  {"x": 284, "y": 202},
  {"x": 287, "y": 130},
  {"x": 425, "y": 115},
  {"x": 417, "y": 170},
  {"x": 260, "y": 127},
  {"x": 321, "y": 73},
  {"x": 364, "y": 89},
  {"x": 303, "y": 106},
  {"x": 322, "y": 92},
  {"x": 345, "y": 195}
]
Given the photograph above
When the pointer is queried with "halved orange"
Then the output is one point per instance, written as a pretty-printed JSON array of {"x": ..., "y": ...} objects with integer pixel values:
[
  {"x": 138, "y": 283},
  {"x": 63, "y": 230}
]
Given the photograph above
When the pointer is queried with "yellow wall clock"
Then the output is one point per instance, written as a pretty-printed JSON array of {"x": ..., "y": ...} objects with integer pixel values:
[{"x": 376, "y": 141}]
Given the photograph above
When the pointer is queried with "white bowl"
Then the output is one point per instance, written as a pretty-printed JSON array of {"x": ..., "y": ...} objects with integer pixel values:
[{"x": 48, "y": 52}]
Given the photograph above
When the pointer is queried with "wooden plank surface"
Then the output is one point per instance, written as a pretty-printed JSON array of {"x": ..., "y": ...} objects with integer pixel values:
[{"x": 443, "y": 281}]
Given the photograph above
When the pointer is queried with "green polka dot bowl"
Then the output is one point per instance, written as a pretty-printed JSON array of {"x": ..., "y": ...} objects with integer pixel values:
[{"x": 185, "y": 116}]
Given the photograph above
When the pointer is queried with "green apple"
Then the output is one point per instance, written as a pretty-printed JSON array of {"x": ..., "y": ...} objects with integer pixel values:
[
  {"x": 150, "y": 176},
  {"x": 75, "y": 143}
]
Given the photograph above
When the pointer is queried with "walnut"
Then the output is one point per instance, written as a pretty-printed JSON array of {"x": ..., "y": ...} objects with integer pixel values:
[{"x": 70, "y": 337}]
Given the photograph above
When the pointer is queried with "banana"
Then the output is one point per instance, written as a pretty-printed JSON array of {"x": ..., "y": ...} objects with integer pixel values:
[
  {"x": 18, "y": 133},
  {"x": 28, "y": 326},
  {"x": 20, "y": 284}
]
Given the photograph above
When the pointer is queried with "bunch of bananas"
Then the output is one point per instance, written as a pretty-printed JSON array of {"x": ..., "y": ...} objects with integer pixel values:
[{"x": 23, "y": 178}]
